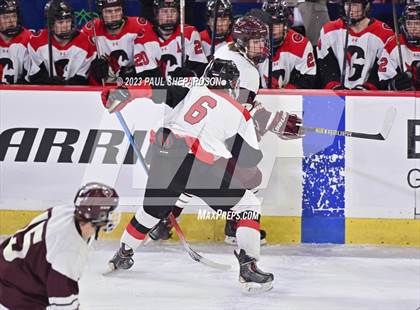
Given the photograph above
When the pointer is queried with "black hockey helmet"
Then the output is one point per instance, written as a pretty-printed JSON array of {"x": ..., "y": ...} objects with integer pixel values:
[
  {"x": 102, "y": 4},
  {"x": 60, "y": 10},
  {"x": 95, "y": 202},
  {"x": 223, "y": 74},
  {"x": 11, "y": 6},
  {"x": 280, "y": 14},
  {"x": 411, "y": 15},
  {"x": 224, "y": 10},
  {"x": 366, "y": 4},
  {"x": 247, "y": 28},
  {"x": 160, "y": 4}
]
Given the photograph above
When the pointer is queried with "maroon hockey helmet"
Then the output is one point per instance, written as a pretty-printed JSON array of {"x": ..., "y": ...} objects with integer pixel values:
[
  {"x": 11, "y": 6},
  {"x": 410, "y": 23},
  {"x": 103, "y": 4},
  {"x": 95, "y": 203},
  {"x": 246, "y": 29}
]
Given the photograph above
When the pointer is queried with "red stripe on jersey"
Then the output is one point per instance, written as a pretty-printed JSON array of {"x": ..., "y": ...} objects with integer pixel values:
[
  {"x": 198, "y": 151},
  {"x": 250, "y": 224},
  {"x": 294, "y": 43},
  {"x": 134, "y": 232},
  {"x": 235, "y": 103}
]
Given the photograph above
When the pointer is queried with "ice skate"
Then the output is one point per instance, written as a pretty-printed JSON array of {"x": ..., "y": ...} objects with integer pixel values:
[
  {"x": 161, "y": 231},
  {"x": 122, "y": 260}
]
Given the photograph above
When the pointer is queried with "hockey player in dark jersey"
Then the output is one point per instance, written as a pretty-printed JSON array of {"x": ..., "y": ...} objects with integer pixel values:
[
  {"x": 366, "y": 41},
  {"x": 167, "y": 27},
  {"x": 41, "y": 264},
  {"x": 72, "y": 52},
  {"x": 127, "y": 46},
  {"x": 391, "y": 75},
  {"x": 294, "y": 63},
  {"x": 13, "y": 44},
  {"x": 224, "y": 25},
  {"x": 205, "y": 125}
]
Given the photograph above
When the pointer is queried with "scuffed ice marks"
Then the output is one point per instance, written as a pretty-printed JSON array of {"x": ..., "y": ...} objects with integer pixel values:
[{"x": 323, "y": 182}]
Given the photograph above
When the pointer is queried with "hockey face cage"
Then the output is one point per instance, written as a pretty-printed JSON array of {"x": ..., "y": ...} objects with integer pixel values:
[
  {"x": 161, "y": 4},
  {"x": 227, "y": 74},
  {"x": 246, "y": 29},
  {"x": 224, "y": 10},
  {"x": 96, "y": 203},
  {"x": 103, "y": 4},
  {"x": 410, "y": 24},
  {"x": 280, "y": 16},
  {"x": 345, "y": 12},
  {"x": 7, "y": 7},
  {"x": 60, "y": 10}
]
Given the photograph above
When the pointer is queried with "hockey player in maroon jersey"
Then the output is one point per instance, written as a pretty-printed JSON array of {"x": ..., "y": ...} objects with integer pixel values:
[
  {"x": 41, "y": 264},
  {"x": 72, "y": 52},
  {"x": 366, "y": 41},
  {"x": 294, "y": 63},
  {"x": 128, "y": 47},
  {"x": 224, "y": 25},
  {"x": 167, "y": 27},
  {"x": 391, "y": 75},
  {"x": 13, "y": 44},
  {"x": 206, "y": 124}
]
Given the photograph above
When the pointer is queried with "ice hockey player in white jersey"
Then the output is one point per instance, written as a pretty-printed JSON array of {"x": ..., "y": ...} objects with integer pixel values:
[
  {"x": 391, "y": 75},
  {"x": 366, "y": 41},
  {"x": 293, "y": 61},
  {"x": 127, "y": 46},
  {"x": 41, "y": 264},
  {"x": 167, "y": 27},
  {"x": 72, "y": 52},
  {"x": 13, "y": 44},
  {"x": 206, "y": 124},
  {"x": 224, "y": 23}
]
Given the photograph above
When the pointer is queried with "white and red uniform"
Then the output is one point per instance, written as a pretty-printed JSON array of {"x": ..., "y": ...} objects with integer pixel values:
[
  {"x": 70, "y": 60},
  {"x": 136, "y": 45},
  {"x": 41, "y": 264},
  {"x": 293, "y": 61},
  {"x": 14, "y": 58},
  {"x": 172, "y": 52},
  {"x": 389, "y": 63},
  {"x": 206, "y": 42},
  {"x": 364, "y": 50}
]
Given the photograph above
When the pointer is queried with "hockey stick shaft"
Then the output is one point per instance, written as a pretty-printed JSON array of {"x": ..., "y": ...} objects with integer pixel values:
[
  {"x": 214, "y": 29},
  {"x": 346, "y": 46},
  {"x": 182, "y": 22},
  {"x": 397, "y": 34},
  {"x": 50, "y": 50}
]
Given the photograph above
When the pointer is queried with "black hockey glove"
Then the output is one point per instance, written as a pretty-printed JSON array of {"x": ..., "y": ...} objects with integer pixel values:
[
  {"x": 402, "y": 81},
  {"x": 99, "y": 68}
]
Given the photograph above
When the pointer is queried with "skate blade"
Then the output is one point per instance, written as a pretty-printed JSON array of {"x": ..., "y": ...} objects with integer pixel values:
[
  {"x": 256, "y": 288},
  {"x": 111, "y": 270}
]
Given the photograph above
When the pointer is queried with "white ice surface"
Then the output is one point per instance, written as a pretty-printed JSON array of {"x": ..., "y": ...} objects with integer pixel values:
[{"x": 312, "y": 277}]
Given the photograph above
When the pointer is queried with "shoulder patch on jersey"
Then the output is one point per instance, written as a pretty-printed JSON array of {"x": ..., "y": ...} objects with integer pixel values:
[
  {"x": 297, "y": 38},
  {"x": 37, "y": 33},
  {"x": 89, "y": 25},
  {"x": 141, "y": 21},
  {"x": 386, "y": 27}
]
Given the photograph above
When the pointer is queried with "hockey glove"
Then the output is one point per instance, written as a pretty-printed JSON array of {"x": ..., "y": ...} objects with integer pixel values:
[
  {"x": 261, "y": 117},
  {"x": 402, "y": 81},
  {"x": 99, "y": 68},
  {"x": 286, "y": 126},
  {"x": 115, "y": 99}
]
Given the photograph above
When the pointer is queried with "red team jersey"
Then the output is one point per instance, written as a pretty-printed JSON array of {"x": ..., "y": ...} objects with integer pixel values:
[
  {"x": 70, "y": 60},
  {"x": 295, "y": 53},
  {"x": 14, "y": 58},
  {"x": 364, "y": 50},
  {"x": 206, "y": 42},
  {"x": 389, "y": 61},
  {"x": 172, "y": 53},
  {"x": 136, "y": 45},
  {"x": 41, "y": 264}
]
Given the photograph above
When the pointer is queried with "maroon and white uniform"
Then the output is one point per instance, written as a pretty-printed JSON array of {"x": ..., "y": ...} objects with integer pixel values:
[
  {"x": 364, "y": 50},
  {"x": 14, "y": 58},
  {"x": 41, "y": 264},
  {"x": 389, "y": 63},
  {"x": 293, "y": 63},
  {"x": 195, "y": 59},
  {"x": 136, "y": 45},
  {"x": 71, "y": 61},
  {"x": 206, "y": 42}
]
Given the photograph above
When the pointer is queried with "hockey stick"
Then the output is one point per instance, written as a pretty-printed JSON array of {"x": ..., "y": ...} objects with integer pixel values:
[
  {"x": 50, "y": 51},
  {"x": 214, "y": 26},
  {"x": 182, "y": 22},
  {"x": 193, "y": 254},
  {"x": 382, "y": 135},
  {"x": 346, "y": 45},
  {"x": 397, "y": 34}
]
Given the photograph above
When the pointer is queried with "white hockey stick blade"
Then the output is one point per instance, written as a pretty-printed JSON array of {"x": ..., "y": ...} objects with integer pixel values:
[
  {"x": 205, "y": 261},
  {"x": 390, "y": 115}
]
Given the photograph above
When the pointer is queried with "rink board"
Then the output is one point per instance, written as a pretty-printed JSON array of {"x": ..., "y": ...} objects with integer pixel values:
[{"x": 320, "y": 189}]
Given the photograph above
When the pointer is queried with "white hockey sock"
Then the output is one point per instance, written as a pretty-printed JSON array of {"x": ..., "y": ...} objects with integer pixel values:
[{"x": 248, "y": 239}]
